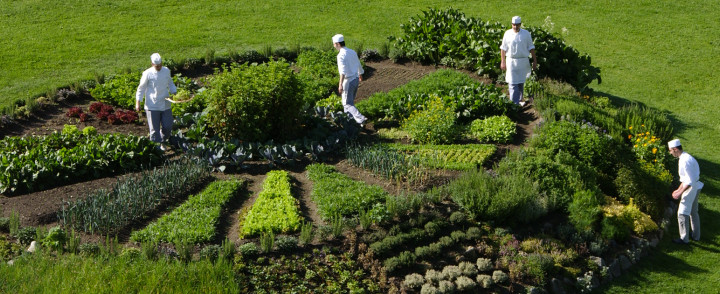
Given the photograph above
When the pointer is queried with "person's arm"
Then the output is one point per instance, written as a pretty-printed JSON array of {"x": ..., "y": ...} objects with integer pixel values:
[
  {"x": 534, "y": 65},
  {"x": 172, "y": 87},
  {"x": 340, "y": 87},
  {"x": 680, "y": 190},
  {"x": 502, "y": 59},
  {"x": 140, "y": 91},
  {"x": 341, "y": 70}
]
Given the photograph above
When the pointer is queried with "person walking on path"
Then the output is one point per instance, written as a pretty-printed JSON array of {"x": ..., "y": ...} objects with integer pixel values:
[
  {"x": 155, "y": 86},
  {"x": 687, "y": 192},
  {"x": 350, "y": 77},
  {"x": 516, "y": 47}
]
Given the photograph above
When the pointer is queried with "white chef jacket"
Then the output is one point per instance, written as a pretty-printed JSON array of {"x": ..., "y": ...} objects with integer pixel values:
[
  {"x": 349, "y": 63},
  {"x": 517, "y": 48},
  {"x": 689, "y": 172},
  {"x": 155, "y": 86}
]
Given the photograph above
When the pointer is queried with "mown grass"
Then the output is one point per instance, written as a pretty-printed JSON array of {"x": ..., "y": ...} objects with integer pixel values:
[{"x": 660, "y": 53}]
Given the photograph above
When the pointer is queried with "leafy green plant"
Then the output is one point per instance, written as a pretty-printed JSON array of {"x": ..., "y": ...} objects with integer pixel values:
[
  {"x": 435, "y": 124},
  {"x": 55, "y": 239},
  {"x": 453, "y": 157},
  {"x": 385, "y": 162},
  {"x": 286, "y": 244},
  {"x": 26, "y": 235},
  {"x": 585, "y": 210},
  {"x": 118, "y": 90},
  {"x": 645, "y": 119},
  {"x": 306, "y": 233},
  {"x": 194, "y": 221},
  {"x": 267, "y": 242},
  {"x": 275, "y": 209},
  {"x": 36, "y": 163},
  {"x": 498, "y": 129},
  {"x": 210, "y": 252},
  {"x": 254, "y": 102},
  {"x": 318, "y": 75}
]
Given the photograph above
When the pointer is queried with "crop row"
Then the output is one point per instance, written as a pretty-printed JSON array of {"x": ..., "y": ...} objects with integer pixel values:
[
  {"x": 194, "y": 221},
  {"x": 455, "y": 157},
  {"x": 275, "y": 209},
  {"x": 132, "y": 198},
  {"x": 337, "y": 195},
  {"x": 37, "y": 163}
]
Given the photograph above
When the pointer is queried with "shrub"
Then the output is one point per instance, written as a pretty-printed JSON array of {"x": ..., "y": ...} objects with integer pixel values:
[
  {"x": 451, "y": 272},
  {"x": 318, "y": 74},
  {"x": 506, "y": 198},
  {"x": 130, "y": 253},
  {"x": 468, "y": 269},
  {"x": 498, "y": 129},
  {"x": 26, "y": 235},
  {"x": 484, "y": 264},
  {"x": 474, "y": 233},
  {"x": 458, "y": 236},
  {"x": 499, "y": 277},
  {"x": 649, "y": 119},
  {"x": 485, "y": 281},
  {"x": 255, "y": 102},
  {"x": 465, "y": 284},
  {"x": 446, "y": 286},
  {"x": 585, "y": 210},
  {"x": 429, "y": 289},
  {"x": 458, "y": 218},
  {"x": 404, "y": 260},
  {"x": 414, "y": 281},
  {"x": 89, "y": 249},
  {"x": 89, "y": 131},
  {"x": 433, "y": 125},
  {"x": 647, "y": 183},
  {"x": 210, "y": 252},
  {"x": 286, "y": 244},
  {"x": 433, "y": 276},
  {"x": 427, "y": 252},
  {"x": 533, "y": 267},
  {"x": 249, "y": 250}
]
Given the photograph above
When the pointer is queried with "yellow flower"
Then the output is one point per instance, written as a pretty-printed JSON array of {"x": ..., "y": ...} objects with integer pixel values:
[
  {"x": 630, "y": 128},
  {"x": 645, "y": 145},
  {"x": 629, "y": 136},
  {"x": 637, "y": 140},
  {"x": 643, "y": 125},
  {"x": 635, "y": 146},
  {"x": 647, "y": 133},
  {"x": 654, "y": 151}
]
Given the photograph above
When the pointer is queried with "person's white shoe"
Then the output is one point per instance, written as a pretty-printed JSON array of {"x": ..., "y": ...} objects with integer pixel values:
[
  {"x": 522, "y": 103},
  {"x": 163, "y": 148}
]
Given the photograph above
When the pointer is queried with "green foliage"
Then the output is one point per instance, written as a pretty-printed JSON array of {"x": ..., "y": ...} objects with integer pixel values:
[
  {"x": 26, "y": 235},
  {"x": 337, "y": 194},
  {"x": 404, "y": 260},
  {"x": 286, "y": 244},
  {"x": 210, "y": 252},
  {"x": 500, "y": 129},
  {"x": 583, "y": 142},
  {"x": 585, "y": 210},
  {"x": 333, "y": 103},
  {"x": 249, "y": 250},
  {"x": 306, "y": 233},
  {"x": 118, "y": 90},
  {"x": 453, "y": 157},
  {"x": 647, "y": 147},
  {"x": 318, "y": 74},
  {"x": 435, "y": 124},
  {"x": 5, "y": 224},
  {"x": 558, "y": 177},
  {"x": 645, "y": 182},
  {"x": 464, "y": 284},
  {"x": 132, "y": 198},
  {"x": 195, "y": 221},
  {"x": 384, "y": 161},
  {"x": 89, "y": 131},
  {"x": 55, "y": 239},
  {"x": 448, "y": 37},
  {"x": 8, "y": 250},
  {"x": 275, "y": 209},
  {"x": 267, "y": 242},
  {"x": 254, "y": 102},
  {"x": 469, "y": 99},
  {"x": 506, "y": 198},
  {"x": 37, "y": 163},
  {"x": 648, "y": 119}
]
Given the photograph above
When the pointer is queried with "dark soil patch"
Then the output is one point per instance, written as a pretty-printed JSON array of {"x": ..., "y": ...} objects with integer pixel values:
[{"x": 39, "y": 208}]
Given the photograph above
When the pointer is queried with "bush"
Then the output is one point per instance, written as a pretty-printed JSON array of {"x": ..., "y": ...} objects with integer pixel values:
[
  {"x": 318, "y": 74},
  {"x": 433, "y": 276},
  {"x": 468, "y": 269},
  {"x": 450, "y": 38},
  {"x": 458, "y": 218},
  {"x": 55, "y": 239},
  {"x": 484, "y": 264},
  {"x": 404, "y": 260},
  {"x": 249, "y": 250},
  {"x": 446, "y": 286},
  {"x": 485, "y": 281},
  {"x": 414, "y": 281},
  {"x": 433, "y": 125},
  {"x": 651, "y": 120},
  {"x": 210, "y": 252},
  {"x": 451, "y": 272},
  {"x": 585, "y": 210},
  {"x": 118, "y": 90},
  {"x": 505, "y": 198},
  {"x": 26, "y": 235},
  {"x": 498, "y": 129},
  {"x": 474, "y": 234},
  {"x": 646, "y": 184},
  {"x": 465, "y": 284},
  {"x": 286, "y": 244},
  {"x": 254, "y": 103},
  {"x": 89, "y": 249},
  {"x": 499, "y": 277}
]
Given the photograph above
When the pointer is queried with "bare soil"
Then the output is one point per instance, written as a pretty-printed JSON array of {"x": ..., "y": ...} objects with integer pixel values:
[{"x": 39, "y": 208}]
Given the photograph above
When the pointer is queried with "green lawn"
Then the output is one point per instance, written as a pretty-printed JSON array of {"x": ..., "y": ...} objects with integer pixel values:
[{"x": 661, "y": 53}]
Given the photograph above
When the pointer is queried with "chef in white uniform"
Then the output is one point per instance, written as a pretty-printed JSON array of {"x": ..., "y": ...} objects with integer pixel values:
[
  {"x": 687, "y": 192},
  {"x": 516, "y": 47}
]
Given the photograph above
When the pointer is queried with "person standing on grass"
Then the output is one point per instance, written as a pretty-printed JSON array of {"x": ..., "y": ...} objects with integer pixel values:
[
  {"x": 687, "y": 192},
  {"x": 155, "y": 86},
  {"x": 350, "y": 77},
  {"x": 516, "y": 47}
]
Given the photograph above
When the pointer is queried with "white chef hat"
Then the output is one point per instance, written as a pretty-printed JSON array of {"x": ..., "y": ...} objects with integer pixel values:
[
  {"x": 516, "y": 20},
  {"x": 155, "y": 58},
  {"x": 338, "y": 38},
  {"x": 674, "y": 143}
]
